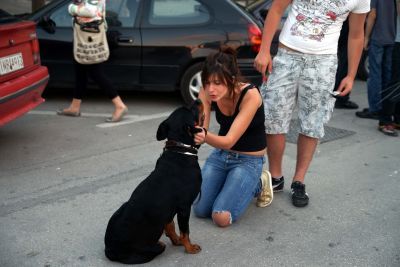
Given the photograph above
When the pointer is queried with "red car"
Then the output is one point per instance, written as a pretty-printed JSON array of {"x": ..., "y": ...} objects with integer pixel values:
[{"x": 22, "y": 78}]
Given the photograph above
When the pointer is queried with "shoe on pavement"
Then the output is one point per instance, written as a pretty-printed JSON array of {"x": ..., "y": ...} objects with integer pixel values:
[
  {"x": 118, "y": 118},
  {"x": 277, "y": 184},
  {"x": 345, "y": 104},
  {"x": 266, "y": 194},
  {"x": 366, "y": 114},
  {"x": 388, "y": 129},
  {"x": 64, "y": 112},
  {"x": 299, "y": 195}
]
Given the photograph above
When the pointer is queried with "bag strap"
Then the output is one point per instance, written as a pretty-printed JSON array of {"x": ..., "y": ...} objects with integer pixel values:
[{"x": 92, "y": 27}]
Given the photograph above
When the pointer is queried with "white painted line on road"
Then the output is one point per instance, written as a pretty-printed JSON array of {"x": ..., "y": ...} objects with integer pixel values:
[
  {"x": 128, "y": 119},
  {"x": 47, "y": 112}
]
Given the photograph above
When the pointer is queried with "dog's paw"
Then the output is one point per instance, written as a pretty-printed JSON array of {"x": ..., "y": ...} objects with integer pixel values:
[{"x": 193, "y": 249}]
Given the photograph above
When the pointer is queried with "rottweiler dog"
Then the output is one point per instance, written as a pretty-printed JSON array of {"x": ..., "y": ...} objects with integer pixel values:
[{"x": 134, "y": 230}]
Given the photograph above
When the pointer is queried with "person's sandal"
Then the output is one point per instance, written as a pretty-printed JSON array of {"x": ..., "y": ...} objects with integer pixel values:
[
  {"x": 118, "y": 118},
  {"x": 267, "y": 193},
  {"x": 388, "y": 130},
  {"x": 63, "y": 112}
]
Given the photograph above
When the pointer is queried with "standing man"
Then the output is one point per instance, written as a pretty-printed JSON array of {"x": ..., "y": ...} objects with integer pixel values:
[
  {"x": 303, "y": 73},
  {"x": 389, "y": 119},
  {"x": 380, "y": 33},
  {"x": 343, "y": 102}
]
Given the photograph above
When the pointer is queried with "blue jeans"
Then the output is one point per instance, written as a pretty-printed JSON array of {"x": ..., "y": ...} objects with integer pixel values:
[
  {"x": 230, "y": 182},
  {"x": 380, "y": 69},
  {"x": 390, "y": 106}
]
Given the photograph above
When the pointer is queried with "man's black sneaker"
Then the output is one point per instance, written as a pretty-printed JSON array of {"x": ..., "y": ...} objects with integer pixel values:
[
  {"x": 277, "y": 184},
  {"x": 345, "y": 104},
  {"x": 299, "y": 195},
  {"x": 366, "y": 114}
]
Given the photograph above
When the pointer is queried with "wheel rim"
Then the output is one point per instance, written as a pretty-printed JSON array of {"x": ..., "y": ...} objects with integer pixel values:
[{"x": 195, "y": 85}]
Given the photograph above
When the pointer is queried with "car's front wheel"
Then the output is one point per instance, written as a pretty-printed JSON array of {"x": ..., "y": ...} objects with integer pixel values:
[{"x": 191, "y": 83}]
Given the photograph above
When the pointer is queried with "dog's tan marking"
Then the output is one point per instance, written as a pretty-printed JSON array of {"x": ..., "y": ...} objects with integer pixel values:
[
  {"x": 171, "y": 234},
  {"x": 189, "y": 247}
]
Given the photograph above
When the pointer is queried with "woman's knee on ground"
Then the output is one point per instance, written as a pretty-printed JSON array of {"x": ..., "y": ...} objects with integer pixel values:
[
  {"x": 222, "y": 218},
  {"x": 201, "y": 212}
]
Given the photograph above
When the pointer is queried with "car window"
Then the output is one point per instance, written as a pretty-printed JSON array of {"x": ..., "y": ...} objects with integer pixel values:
[
  {"x": 178, "y": 12},
  {"x": 61, "y": 17},
  {"x": 6, "y": 17},
  {"x": 121, "y": 12}
]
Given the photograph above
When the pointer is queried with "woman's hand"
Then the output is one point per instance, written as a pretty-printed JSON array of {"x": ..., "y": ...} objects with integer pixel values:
[{"x": 200, "y": 137}]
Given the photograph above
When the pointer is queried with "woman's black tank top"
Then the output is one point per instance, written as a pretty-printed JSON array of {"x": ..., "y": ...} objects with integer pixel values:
[{"x": 253, "y": 139}]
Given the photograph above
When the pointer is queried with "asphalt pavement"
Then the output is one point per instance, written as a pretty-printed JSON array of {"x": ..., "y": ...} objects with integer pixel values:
[{"x": 54, "y": 212}]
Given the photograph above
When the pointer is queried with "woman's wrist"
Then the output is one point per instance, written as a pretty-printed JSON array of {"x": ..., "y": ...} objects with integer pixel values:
[{"x": 205, "y": 134}]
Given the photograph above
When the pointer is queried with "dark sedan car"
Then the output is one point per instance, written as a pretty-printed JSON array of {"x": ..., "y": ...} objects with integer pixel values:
[{"x": 156, "y": 45}]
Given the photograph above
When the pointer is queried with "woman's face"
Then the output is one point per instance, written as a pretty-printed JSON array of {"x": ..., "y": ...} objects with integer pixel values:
[{"x": 215, "y": 88}]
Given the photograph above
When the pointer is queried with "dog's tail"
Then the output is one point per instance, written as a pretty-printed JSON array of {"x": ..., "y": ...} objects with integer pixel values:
[{"x": 198, "y": 198}]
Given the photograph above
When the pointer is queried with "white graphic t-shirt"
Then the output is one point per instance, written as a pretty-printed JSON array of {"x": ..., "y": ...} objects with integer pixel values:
[{"x": 313, "y": 26}]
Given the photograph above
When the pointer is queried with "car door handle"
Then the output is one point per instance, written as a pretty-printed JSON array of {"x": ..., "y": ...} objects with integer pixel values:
[{"x": 125, "y": 41}]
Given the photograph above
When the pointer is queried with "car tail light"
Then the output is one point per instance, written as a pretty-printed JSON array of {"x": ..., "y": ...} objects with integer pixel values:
[
  {"x": 255, "y": 37},
  {"x": 35, "y": 49}
]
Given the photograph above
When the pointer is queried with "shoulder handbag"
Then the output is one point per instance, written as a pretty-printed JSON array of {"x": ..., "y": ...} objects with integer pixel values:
[{"x": 90, "y": 42}]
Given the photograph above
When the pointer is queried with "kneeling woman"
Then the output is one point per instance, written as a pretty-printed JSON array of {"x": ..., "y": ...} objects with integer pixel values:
[{"x": 232, "y": 172}]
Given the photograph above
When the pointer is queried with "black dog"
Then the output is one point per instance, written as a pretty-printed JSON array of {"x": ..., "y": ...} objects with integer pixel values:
[{"x": 134, "y": 230}]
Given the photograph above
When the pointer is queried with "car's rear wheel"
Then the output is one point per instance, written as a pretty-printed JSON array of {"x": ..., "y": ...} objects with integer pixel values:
[{"x": 191, "y": 83}]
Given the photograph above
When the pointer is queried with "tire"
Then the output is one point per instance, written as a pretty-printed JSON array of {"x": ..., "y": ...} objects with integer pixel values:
[
  {"x": 363, "y": 68},
  {"x": 191, "y": 83}
]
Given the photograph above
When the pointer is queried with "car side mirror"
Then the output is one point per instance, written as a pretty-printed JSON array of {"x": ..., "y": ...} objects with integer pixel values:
[{"x": 47, "y": 24}]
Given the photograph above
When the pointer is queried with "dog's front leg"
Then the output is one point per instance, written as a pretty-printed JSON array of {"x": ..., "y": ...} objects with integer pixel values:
[
  {"x": 171, "y": 234},
  {"x": 183, "y": 222}
]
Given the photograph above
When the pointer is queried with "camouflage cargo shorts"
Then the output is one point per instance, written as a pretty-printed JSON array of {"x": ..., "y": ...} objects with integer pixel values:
[{"x": 304, "y": 81}]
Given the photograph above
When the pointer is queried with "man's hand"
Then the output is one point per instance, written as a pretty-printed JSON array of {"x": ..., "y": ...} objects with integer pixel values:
[
  {"x": 345, "y": 86},
  {"x": 263, "y": 63}
]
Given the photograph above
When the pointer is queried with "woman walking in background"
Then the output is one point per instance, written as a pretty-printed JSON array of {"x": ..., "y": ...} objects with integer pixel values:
[{"x": 86, "y": 11}]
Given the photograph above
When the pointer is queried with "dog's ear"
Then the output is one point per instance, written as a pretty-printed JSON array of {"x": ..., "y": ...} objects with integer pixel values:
[
  {"x": 197, "y": 108},
  {"x": 162, "y": 131}
]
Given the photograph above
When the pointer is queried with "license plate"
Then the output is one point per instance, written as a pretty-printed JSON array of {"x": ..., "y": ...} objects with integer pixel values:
[{"x": 11, "y": 63}]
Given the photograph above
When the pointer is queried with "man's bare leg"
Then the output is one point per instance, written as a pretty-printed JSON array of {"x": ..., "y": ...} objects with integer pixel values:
[
  {"x": 305, "y": 151},
  {"x": 276, "y": 147}
]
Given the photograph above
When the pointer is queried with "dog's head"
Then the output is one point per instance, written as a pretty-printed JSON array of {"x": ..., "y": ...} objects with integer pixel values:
[{"x": 181, "y": 125}]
